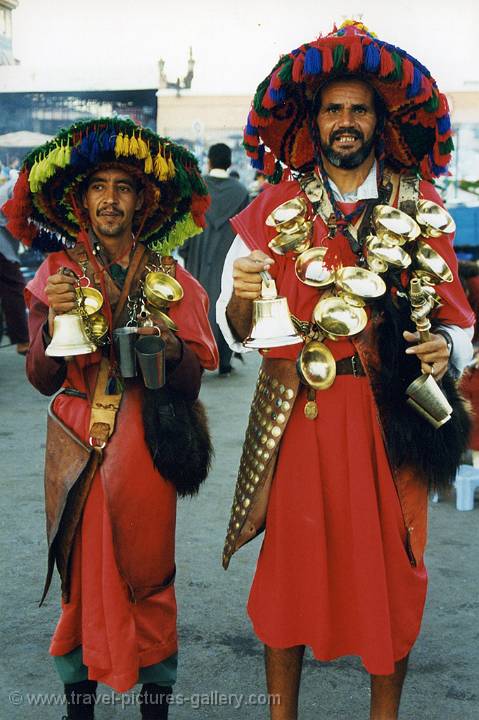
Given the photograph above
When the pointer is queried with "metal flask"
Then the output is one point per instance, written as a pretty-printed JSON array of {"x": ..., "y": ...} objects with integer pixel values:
[
  {"x": 272, "y": 325},
  {"x": 69, "y": 337}
]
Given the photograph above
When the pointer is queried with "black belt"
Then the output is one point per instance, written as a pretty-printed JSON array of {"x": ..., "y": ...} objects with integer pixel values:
[{"x": 350, "y": 366}]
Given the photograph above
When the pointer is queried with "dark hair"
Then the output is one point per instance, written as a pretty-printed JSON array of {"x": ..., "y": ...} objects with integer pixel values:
[{"x": 219, "y": 156}]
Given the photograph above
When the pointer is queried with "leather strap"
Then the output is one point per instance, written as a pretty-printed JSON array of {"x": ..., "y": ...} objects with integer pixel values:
[
  {"x": 134, "y": 269},
  {"x": 104, "y": 409},
  {"x": 350, "y": 366}
]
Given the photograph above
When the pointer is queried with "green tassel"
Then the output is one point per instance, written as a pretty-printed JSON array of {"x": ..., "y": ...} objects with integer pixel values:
[
  {"x": 275, "y": 178},
  {"x": 338, "y": 56},
  {"x": 396, "y": 74},
  {"x": 258, "y": 98},
  {"x": 285, "y": 74},
  {"x": 432, "y": 104},
  {"x": 446, "y": 147},
  {"x": 185, "y": 228}
]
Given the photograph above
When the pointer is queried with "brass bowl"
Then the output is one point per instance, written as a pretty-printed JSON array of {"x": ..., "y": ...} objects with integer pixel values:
[
  {"x": 432, "y": 263},
  {"x": 392, "y": 255},
  {"x": 353, "y": 300},
  {"x": 311, "y": 270},
  {"x": 98, "y": 326},
  {"x": 160, "y": 315},
  {"x": 361, "y": 282},
  {"x": 294, "y": 242},
  {"x": 434, "y": 219},
  {"x": 93, "y": 299},
  {"x": 338, "y": 317},
  {"x": 316, "y": 365},
  {"x": 395, "y": 222},
  {"x": 286, "y": 212},
  {"x": 161, "y": 289}
]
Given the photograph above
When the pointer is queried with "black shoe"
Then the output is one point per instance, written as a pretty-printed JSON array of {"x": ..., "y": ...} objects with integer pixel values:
[
  {"x": 80, "y": 699},
  {"x": 239, "y": 356},
  {"x": 225, "y": 370},
  {"x": 154, "y": 703}
]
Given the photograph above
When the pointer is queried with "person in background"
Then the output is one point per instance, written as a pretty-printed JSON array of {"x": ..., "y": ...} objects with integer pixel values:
[
  {"x": 204, "y": 258},
  {"x": 12, "y": 283}
]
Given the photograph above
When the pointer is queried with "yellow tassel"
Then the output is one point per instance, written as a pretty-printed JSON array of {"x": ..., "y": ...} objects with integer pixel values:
[
  {"x": 134, "y": 147},
  {"x": 161, "y": 167},
  {"x": 119, "y": 145},
  {"x": 67, "y": 153},
  {"x": 125, "y": 151},
  {"x": 142, "y": 148},
  {"x": 171, "y": 168},
  {"x": 32, "y": 177},
  {"x": 148, "y": 164}
]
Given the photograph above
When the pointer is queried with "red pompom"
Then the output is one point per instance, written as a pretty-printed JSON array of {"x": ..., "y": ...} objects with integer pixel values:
[
  {"x": 298, "y": 65},
  {"x": 407, "y": 73},
  {"x": 19, "y": 209},
  {"x": 327, "y": 58},
  {"x": 199, "y": 205},
  {"x": 269, "y": 163}
]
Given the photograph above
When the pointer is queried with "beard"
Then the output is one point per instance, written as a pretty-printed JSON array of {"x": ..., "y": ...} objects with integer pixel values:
[{"x": 348, "y": 160}]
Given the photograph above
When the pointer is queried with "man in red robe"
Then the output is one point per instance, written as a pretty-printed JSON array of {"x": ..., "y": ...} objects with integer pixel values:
[
  {"x": 336, "y": 468},
  {"x": 110, "y": 202}
]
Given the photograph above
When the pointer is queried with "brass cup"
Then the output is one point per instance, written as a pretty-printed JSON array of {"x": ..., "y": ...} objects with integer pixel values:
[
  {"x": 428, "y": 260},
  {"x": 361, "y": 282},
  {"x": 292, "y": 242},
  {"x": 155, "y": 313},
  {"x": 427, "y": 398},
  {"x": 392, "y": 255},
  {"x": 311, "y": 270},
  {"x": 376, "y": 265},
  {"x": 98, "y": 326},
  {"x": 316, "y": 365},
  {"x": 93, "y": 299},
  {"x": 397, "y": 223},
  {"x": 287, "y": 212},
  {"x": 434, "y": 219},
  {"x": 161, "y": 290},
  {"x": 338, "y": 317}
]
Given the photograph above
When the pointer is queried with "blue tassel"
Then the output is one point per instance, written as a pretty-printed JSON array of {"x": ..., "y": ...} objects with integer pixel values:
[
  {"x": 84, "y": 147},
  {"x": 436, "y": 169},
  {"x": 312, "y": 61},
  {"x": 277, "y": 96},
  {"x": 415, "y": 87},
  {"x": 258, "y": 163},
  {"x": 95, "y": 152},
  {"x": 444, "y": 124},
  {"x": 103, "y": 142},
  {"x": 372, "y": 58},
  {"x": 251, "y": 130},
  {"x": 75, "y": 157}
]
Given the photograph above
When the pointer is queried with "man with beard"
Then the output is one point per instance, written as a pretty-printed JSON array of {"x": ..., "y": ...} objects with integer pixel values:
[
  {"x": 110, "y": 201},
  {"x": 336, "y": 468}
]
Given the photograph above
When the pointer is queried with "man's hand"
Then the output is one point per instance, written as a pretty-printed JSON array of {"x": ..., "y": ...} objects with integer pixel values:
[
  {"x": 433, "y": 355},
  {"x": 246, "y": 274},
  {"x": 173, "y": 345},
  {"x": 60, "y": 291}
]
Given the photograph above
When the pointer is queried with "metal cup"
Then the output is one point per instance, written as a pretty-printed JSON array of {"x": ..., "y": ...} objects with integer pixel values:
[
  {"x": 124, "y": 340},
  {"x": 427, "y": 398},
  {"x": 150, "y": 350}
]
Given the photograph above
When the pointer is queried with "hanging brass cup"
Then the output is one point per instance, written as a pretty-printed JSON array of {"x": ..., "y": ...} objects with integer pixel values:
[
  {"x": 337, "y": 317},
  {"x": 434, "y": 219},
  {"x": 161, "y": 290},
  {"x": 311, "y": 270},
  {"x": 361, "y": 282},
  {"x": 91, "y": 298},
  {"x": 432, "y": 263},
  {"x": 298, "y": 241},
  {"x": 286, "y": 213},
  {"x": 316, "y": 365},
  {"x": 392, "y": 255},
  {"x": 395, "y": 223}
]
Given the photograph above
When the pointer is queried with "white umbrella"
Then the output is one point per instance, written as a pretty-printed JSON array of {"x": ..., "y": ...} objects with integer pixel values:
[{"x": 23, "y": 139}]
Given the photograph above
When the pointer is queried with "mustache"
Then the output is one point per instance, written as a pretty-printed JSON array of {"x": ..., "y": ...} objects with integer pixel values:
[
  {"x": 353, "y": 132},
  {"x": 109, "y": 211}
]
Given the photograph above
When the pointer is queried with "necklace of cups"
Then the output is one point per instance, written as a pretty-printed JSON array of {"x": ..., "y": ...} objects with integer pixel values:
[{"x": 386, "y": 240}]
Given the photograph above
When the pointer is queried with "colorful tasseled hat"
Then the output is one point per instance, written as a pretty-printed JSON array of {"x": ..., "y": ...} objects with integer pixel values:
[
  {"x": 45, "y": 207},
  {"x": 417, "y": 127}
]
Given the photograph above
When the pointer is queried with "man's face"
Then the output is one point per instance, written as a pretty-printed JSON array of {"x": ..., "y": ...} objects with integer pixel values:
[
  {"x": 347, "y": 123},
  {"x": 112, "y": 199}
]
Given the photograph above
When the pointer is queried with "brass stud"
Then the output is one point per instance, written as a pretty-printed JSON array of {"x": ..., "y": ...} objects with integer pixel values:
[
  {"x": 285, "y": 406},
  {"x": 289, "y": 394},
  {"x": 270, "y": 444},
  {"x": 282, "y": 389},
  {"x": 276, "y": 431},
  {"x": 280, "y": 418}
]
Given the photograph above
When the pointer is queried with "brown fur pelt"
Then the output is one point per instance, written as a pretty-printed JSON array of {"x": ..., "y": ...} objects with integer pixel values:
[
  {"x": 177, "y": 436},
  {"x": 411, "y": 440}
]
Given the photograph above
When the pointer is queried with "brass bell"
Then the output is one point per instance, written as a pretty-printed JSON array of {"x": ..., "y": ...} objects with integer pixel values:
[
  {"x": 69, "y": 337},
  {"x": 272, "y": 325}
]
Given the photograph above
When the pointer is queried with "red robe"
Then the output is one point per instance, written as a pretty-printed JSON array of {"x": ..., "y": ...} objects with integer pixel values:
[
  {"x": 333, "y": 571},
  {"x": 126, "y": 543}
]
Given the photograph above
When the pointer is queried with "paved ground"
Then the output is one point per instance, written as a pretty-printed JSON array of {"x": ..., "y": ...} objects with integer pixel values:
[{"x": 219, "y": 653}]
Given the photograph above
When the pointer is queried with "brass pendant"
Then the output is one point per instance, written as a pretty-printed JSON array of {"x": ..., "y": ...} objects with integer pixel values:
[{"x": 311, "y": 407}]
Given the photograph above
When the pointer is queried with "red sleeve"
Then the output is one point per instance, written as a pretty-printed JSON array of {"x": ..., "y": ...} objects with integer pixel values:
[
  {"x": 191, "y": 317},
  {"x": 46, "y": 374},
  {"x": 455, "y": 309}
]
